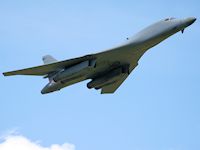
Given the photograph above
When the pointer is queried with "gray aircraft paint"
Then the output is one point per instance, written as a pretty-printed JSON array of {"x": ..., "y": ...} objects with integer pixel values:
[{"x": 107, "y": 69}]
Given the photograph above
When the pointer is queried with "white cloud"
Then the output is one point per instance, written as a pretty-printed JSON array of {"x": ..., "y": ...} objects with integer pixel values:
[{"x": 18, "y": 142}]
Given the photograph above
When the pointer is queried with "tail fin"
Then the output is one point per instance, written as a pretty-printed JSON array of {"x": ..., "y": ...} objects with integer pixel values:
[{"x": 47, "y": 59}]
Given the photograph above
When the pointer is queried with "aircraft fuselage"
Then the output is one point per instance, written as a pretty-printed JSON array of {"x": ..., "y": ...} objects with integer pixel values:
[{"x": 124, "y": 54}]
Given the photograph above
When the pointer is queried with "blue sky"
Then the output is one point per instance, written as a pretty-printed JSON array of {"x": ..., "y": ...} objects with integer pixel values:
[{"x": 156, "y": 108}]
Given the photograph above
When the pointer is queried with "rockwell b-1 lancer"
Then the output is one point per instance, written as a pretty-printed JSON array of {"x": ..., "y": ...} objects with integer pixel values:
[{"x": 108, "y": 69}]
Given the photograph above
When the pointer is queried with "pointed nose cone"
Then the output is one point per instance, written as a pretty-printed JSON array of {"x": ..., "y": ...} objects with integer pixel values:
[{"x": 190, "y": 20}]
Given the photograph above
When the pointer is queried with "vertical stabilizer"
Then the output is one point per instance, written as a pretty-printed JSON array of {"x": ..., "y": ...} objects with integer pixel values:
[{"x": 47, "y": 59}]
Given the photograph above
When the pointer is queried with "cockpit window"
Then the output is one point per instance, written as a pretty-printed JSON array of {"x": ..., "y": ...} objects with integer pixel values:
[{"x": 167, "y": 19}]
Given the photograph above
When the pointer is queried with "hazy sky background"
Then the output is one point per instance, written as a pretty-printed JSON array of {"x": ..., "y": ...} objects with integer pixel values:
[{"x": 156, "y": 108}]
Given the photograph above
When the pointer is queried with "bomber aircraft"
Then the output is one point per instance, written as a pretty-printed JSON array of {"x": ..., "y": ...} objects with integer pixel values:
[{"x": 108, "y": 69}]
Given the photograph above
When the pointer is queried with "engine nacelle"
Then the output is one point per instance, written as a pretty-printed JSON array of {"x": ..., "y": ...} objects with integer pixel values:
[
  {"x": 108, "y": 78},
  {"x": 74, "y": 71}
]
